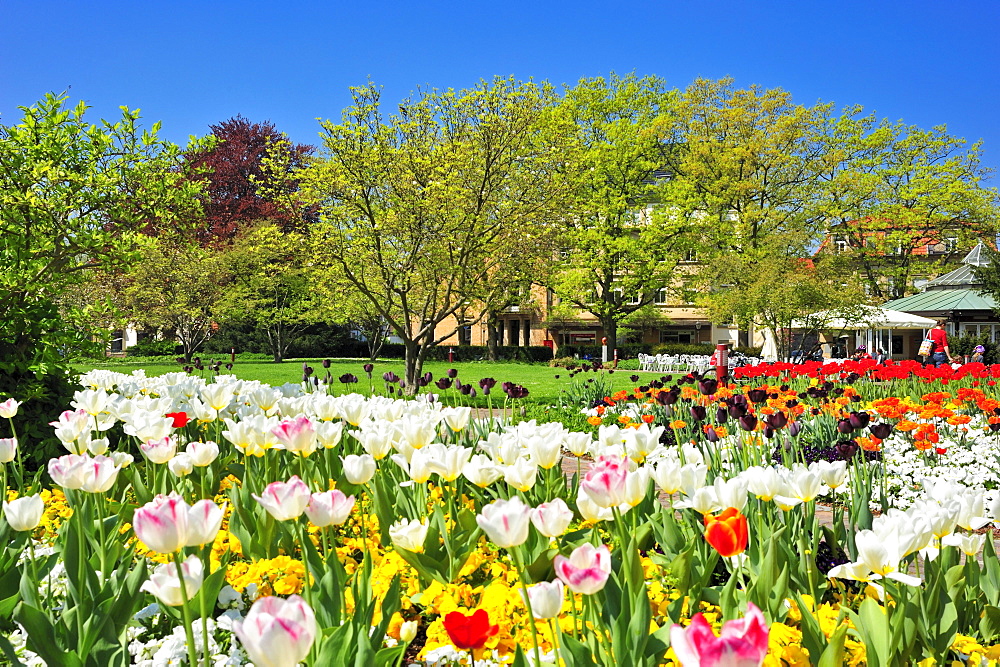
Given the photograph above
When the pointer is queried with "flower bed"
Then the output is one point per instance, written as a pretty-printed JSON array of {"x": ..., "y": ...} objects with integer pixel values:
[{"x": 227, "y": 522}]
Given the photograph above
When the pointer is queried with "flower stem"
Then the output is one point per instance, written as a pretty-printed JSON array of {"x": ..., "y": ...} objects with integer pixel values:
[
  {"x": 185, "y": 612},
  {"x": 527, "y": 601}
]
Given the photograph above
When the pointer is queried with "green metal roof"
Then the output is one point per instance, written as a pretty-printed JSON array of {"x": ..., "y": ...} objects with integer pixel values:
[{"x": 941, "y": 300}]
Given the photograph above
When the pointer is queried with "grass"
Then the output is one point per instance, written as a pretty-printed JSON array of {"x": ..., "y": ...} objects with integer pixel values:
[{"x": 544, "y": 383}]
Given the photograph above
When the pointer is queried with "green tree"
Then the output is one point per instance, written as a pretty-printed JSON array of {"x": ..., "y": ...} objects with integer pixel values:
[
  {"x": 74, "y": 197},
  {"x": 270, "y": 285},
  {"x": 746, "y": 166},
  {"x": 419, "y": 209},
  {"x": 894, "y": 189},
  {"x": 178, "y": 290},
  {"x": 619, "y": 247}
]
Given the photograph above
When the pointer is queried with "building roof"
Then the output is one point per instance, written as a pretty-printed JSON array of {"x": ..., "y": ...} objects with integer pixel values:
[
  {"x": 963, "y": 276},
  {"x": 943, "y": 300}
]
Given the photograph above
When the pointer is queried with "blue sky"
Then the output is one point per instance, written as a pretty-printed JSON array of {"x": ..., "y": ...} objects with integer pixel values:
[{"x": 191, "y": 64}]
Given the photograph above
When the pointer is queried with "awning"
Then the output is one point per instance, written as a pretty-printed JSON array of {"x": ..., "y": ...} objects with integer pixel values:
[
  {"x": 944, "y": 300},
  {"x": 871, "y": 317}
]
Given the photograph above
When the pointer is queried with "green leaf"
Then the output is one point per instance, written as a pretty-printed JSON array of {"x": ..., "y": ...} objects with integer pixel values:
[{"x": 833, "y": 654}]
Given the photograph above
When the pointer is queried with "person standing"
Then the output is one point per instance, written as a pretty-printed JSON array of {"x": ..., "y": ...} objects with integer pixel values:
[{"x": 940, "y": 353}]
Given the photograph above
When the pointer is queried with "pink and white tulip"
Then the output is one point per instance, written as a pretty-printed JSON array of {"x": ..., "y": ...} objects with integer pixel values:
[
  {"x": 296, "y": 435},
  {"x": 24, "y": 513},
  {"x": 68, "y": 471},
  {"x": 586, "y": 570},
  {"x": 276, "y": 632},
  {"x": 546, "y": 599},
  {"x": 605, "y": 481},
  {"x": 8, "y": 449},
  {"x": 99, "y": 474},
  {"x": 742, "y": 642},
  {"x": 160, "y": 450},
  {"x": 161, "y": 524},
  {"x": 204, "y": 519},
  {"x": 8, "y": 408},
  {"x": 551, "y": 519},
  {"x": 285, "y": 500},
  {"x": 329, "y": 508},
  {"x": 506, "y": 522},
  {"x": 202, "y": 453},
  {"x": 165, "y": 585}
]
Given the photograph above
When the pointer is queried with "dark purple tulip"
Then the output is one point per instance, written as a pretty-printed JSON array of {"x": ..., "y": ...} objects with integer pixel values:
[
  {"x": 996, "y": 411},
  {"x": 557, "y": 377},
  {"x": 847, "y": 448},
  {"x": 859, "y": 419},
  {"x": 443, "y": 383},
  {"x": 305, "y": 378},
  {"x": 427, "y": 378},
  {"x": 778, "y": 420},
  {"x": 487, "y": 383},
  {"x": 307, "y": 370},
  {"x": 197, "y": 361},
  {"x": 472, "y": 390},
  {"x": 721, "y": 414},
  {"x": 880, "y": 431},
  {"x": 994, "y": 427},
  {"x": 315, "y": 381},
  {"x": 757, "y": 395},
  {"x": 188, "y": 369},
  {"x": 738, "y": 399},
  {"x": 633, "y": 378},
  {"x": 748, "y": 422},
  {"x": 768, "y": 432},
  {"x": 783, "y": 387},
  {"x": 452, "y": 372},
  {"x": 180, "y": 360},
  {"x": 326, "y": 363},
  {"x": 390, "y": 377},
  {"x": 392, "y": 390},
  {"x": 368, "y": 369},
  {"x": 656, "y": 384},
  {"x": 466, "y": 390},
  {"x": 794, "y": 428},
  {"x": 666, "y": 398},
  {"x": 737, "y": 410},
  {"x": 708, "y": 386},
  {"x": 711, "y": 435},
  {"x": 698, "y": 412},
  {"x": 458, "y": 384},
  {"x": 229, "y": 367},
  {"x": 199, "y": 367},
  {"x": 844, "y": 426},
  {"x": 348, "y": 378}
]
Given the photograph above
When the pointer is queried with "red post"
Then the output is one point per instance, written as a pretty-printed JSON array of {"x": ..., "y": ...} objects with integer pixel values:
[
  {"x": 451, "y": 354},
  {"x": 232, "y": 355},
  {"x": 721, "y": 360}
]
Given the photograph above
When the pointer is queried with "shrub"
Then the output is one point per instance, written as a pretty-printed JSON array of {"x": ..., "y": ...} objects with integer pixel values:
[
  {"x": 963, "y": 346},
  {"x": 149, "y": 347}
]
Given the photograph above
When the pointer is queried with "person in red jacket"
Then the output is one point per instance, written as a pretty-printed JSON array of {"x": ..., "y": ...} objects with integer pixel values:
[{"x": 940, "y": 353}]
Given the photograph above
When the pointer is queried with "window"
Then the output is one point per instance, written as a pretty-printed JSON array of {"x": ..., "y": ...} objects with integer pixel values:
[
  {"x": 841, "y": 244},
  {"x": 676, "y": 337},
  {"x": 661, "y": 297},
  {"x": 634, "y": 300},
  {"x": 690, "y": 256}
]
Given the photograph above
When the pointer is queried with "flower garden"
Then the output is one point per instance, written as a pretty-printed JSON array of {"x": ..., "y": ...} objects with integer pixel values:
[{"x": 790, "y": 515}]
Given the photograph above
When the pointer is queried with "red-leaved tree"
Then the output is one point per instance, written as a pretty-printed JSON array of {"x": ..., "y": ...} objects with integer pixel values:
[{"x": 238, "y": 191}]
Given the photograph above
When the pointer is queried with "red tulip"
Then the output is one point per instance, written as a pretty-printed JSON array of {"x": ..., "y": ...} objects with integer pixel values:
[
  {"x": 180, "y": 418},
  {"x": 469, "y": 632},
  {"x": 727, "y": 532}
]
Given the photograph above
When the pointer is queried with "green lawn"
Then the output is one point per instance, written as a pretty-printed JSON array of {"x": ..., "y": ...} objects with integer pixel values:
[{"x": 543, "y": 382}]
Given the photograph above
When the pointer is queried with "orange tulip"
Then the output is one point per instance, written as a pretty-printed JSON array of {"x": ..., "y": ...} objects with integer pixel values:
[{"x": 727, "y": 532}]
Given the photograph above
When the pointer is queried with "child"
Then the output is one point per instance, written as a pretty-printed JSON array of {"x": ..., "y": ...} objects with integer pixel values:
[{"x": 978, "y": 355}]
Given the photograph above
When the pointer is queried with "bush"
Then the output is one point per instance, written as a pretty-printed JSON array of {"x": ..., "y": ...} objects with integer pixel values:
[
  {"x": 149, "y": 347},
  {"x": 963, "y": 346},
  {"x": 683, "y": 348},
  {"x": 625, "y": 351}
]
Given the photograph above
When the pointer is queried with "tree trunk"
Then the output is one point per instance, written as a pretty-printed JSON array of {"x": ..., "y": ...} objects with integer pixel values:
[
  {"x": 414, "y": 365},
  {"x": 610, "y": 326},
  {"x": 492, "y": 333},
  {"x": 274, "y": 342}
]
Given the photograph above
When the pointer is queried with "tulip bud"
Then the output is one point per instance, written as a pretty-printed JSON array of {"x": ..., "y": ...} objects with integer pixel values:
[
  {"x": 880, "y": 431},
  {"x": 859, "y": 419},
  {"x": 844, "y": 426},
  {"x": 748, "y": 422},
  {"x": 359, "y": 469},
  {"x": 552, "y": 518},
  {"x": 164, "y": 584},
  {"x": 698, "y": 413},
  {"x": 777, "y": 420},
  {"x": 546, "y": 599},
  {"x": 721, "y": 415},
  {"x": 277, "y": 632},
  {"x": 202, "y": 453},
  {"x": 408, "y": 631},
  {"x": 285, "y": 500},
  {"x": 8, "y": 449},
  {"x": 8, "y": 408},
  {"x": 161, "y": 524},
  {"x": 329, "y": 508},
  {"x": 711, "y": 435},
  {"x": 181, "y": 465},
  {"x": 505, "y": 522},
  {"x": 737, "y": 410},
  {"x": 24, "y": 513},
  {"x": 847, "y": 448},
  {"x": 795, "y": 428}
]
